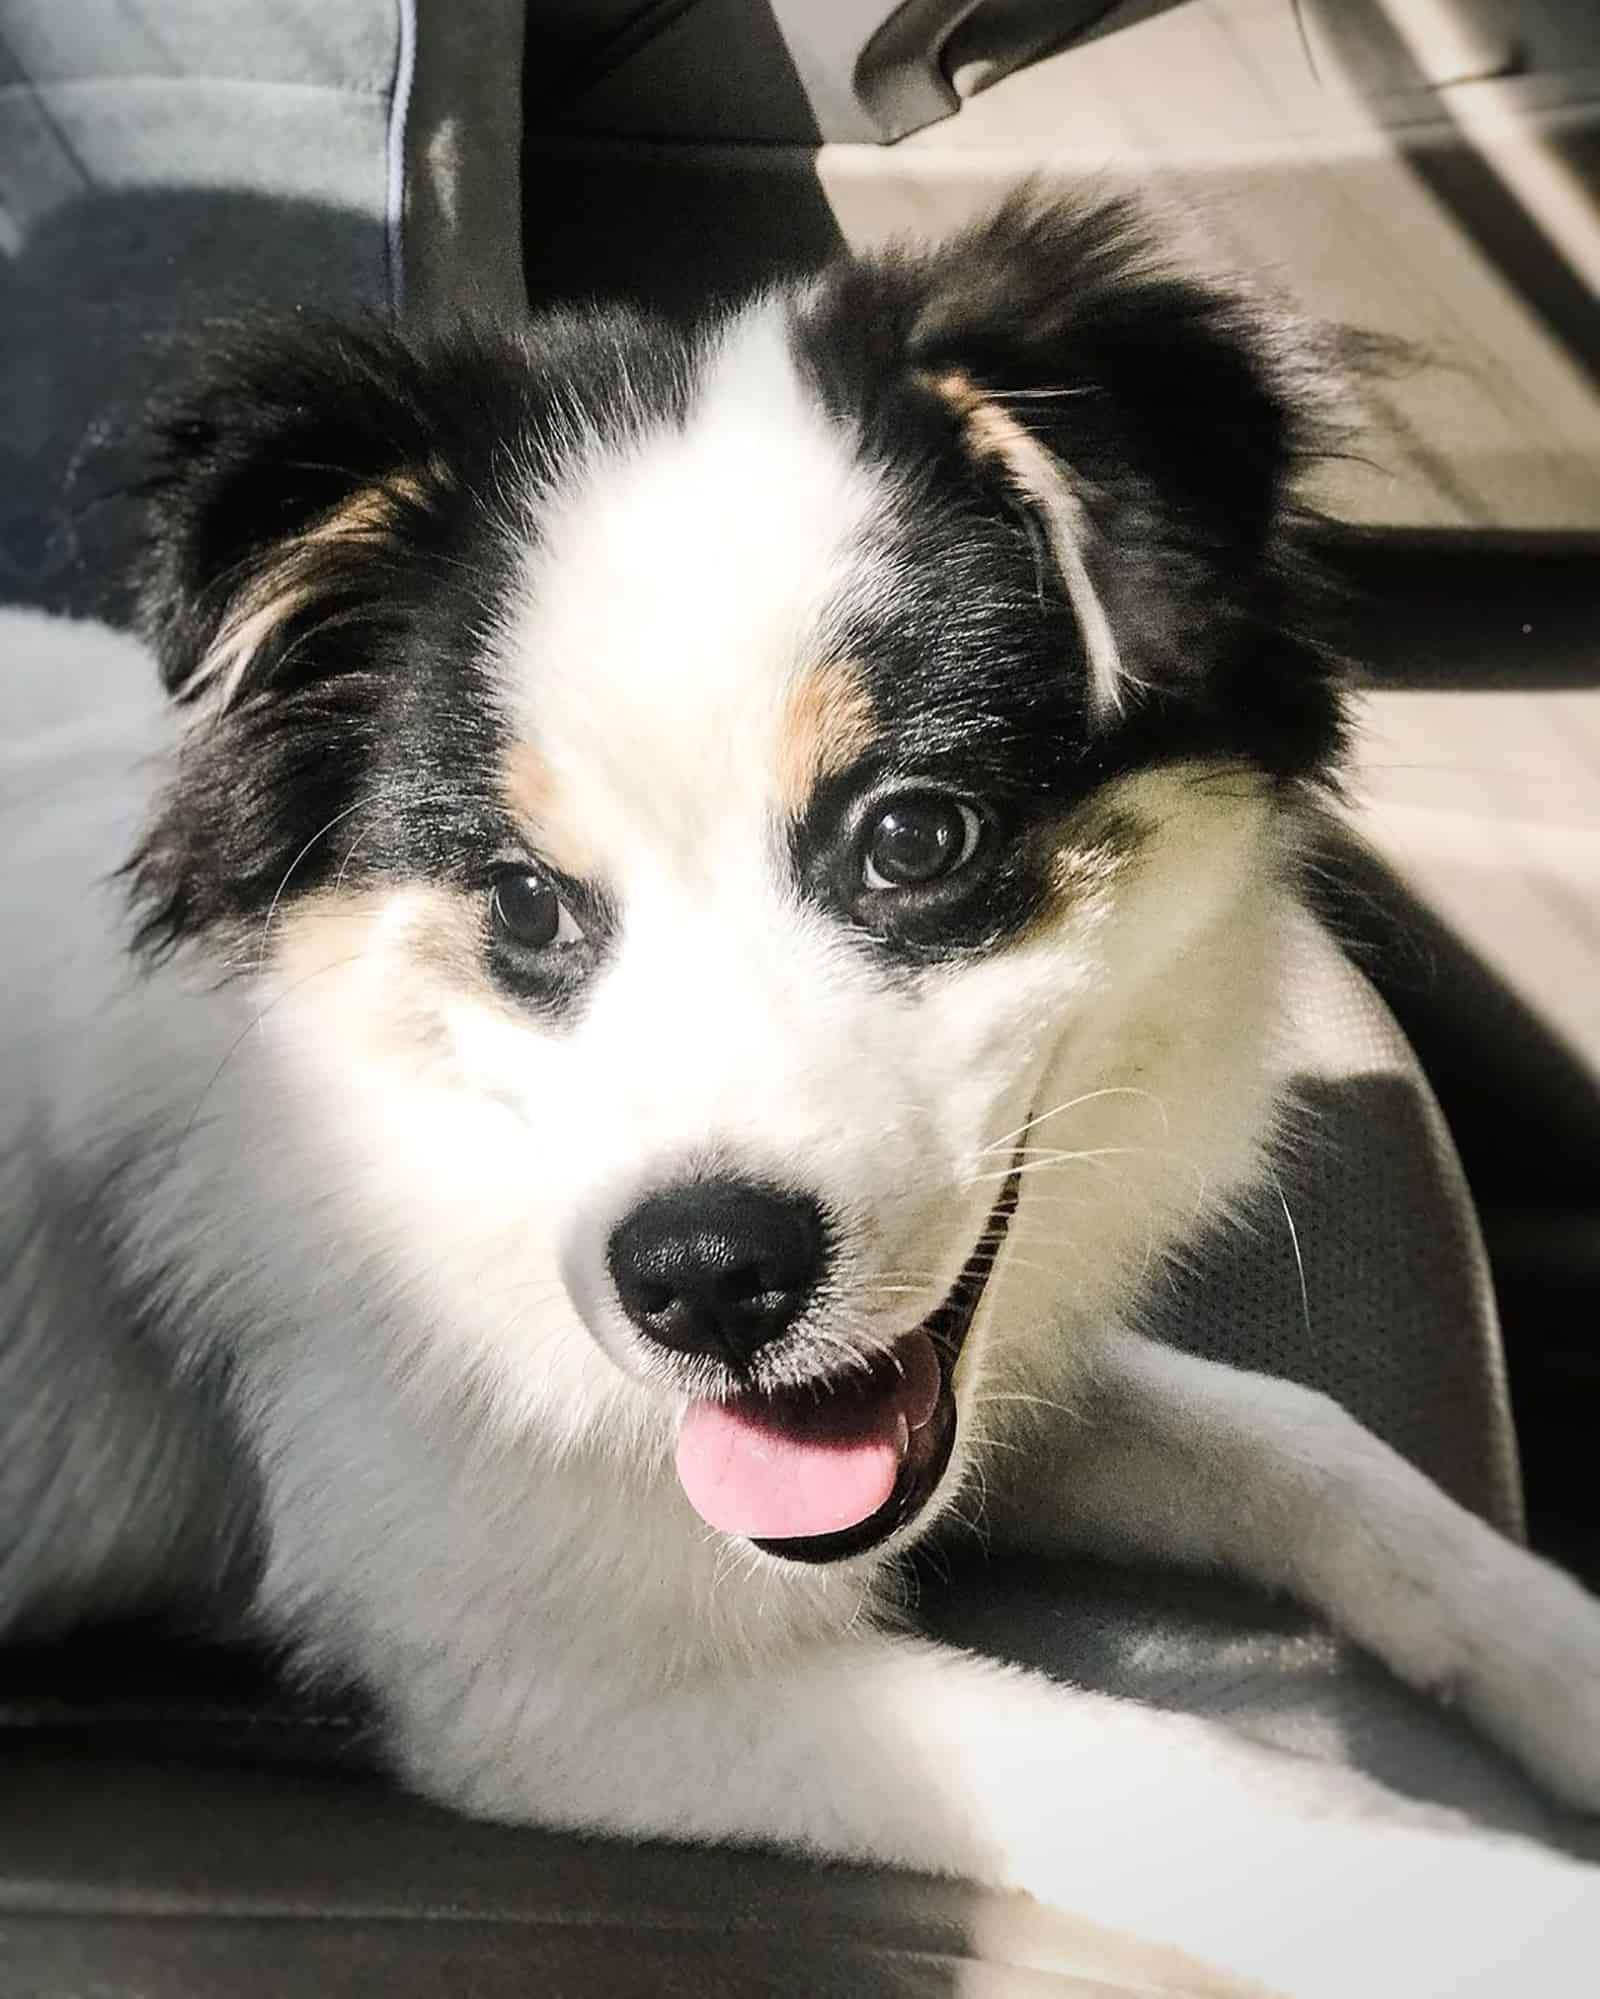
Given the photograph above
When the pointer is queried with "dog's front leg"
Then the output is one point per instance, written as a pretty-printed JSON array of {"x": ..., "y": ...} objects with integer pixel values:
[
  {"x": 1187, "y": 1460},
  {"x": 898, "y": 1751}
]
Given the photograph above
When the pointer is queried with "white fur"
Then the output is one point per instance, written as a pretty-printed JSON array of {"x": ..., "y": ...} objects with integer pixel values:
[{"x": 465, "y": 1458}]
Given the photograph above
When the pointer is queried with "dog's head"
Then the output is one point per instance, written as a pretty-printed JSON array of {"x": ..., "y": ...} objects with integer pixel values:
[{"x": 697, "y": 805}]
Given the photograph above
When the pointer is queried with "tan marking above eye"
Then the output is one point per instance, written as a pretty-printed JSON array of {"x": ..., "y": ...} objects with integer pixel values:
[
  {"x": 529, "y": 785},
  {"x": 827, "y": 724},
  {"x": 539, "y": 803}
]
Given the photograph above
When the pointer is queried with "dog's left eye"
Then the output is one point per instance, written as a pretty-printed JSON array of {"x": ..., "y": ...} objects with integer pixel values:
[
  {"x": 528, "y": 911},
  {"x": 919, "y": 838}
]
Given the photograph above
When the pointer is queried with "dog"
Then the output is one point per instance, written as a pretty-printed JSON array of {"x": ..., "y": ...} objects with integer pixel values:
[{"x": 551, "y": 1063}]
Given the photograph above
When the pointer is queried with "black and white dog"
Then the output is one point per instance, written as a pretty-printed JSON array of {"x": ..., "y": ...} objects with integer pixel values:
[{"x": 679, "y": 859}]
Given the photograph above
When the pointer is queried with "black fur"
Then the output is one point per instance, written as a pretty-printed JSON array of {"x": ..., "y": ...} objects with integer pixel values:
[
  {"x": 1181, "y": 411},
  {"x": 364, "y": 738}
]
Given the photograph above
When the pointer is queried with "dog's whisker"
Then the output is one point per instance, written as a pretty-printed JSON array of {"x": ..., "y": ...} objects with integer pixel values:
[
  {"x": 1090, "y": 1154},
  {"x": 1039, "y": 1157},
  {"x": 1294, "y": 1244},
  {"x": 350, "y": 854},
  {"x": 1071, "y": 1104},
  {"x": 277, "y": 895},
  {"x": 1019, "y": 1396}
]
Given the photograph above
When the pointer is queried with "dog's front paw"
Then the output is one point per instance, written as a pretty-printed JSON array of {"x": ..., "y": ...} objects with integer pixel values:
[{"x": 1529, "y": 1676}]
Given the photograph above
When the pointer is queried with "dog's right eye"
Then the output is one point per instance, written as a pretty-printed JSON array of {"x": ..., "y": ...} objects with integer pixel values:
[
  {"x": 528, "y": 911},
  {"x": 918, "y": 839}
]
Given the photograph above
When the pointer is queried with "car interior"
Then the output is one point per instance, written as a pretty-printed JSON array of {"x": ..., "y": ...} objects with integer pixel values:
[{"x": 177, "y": 1816}]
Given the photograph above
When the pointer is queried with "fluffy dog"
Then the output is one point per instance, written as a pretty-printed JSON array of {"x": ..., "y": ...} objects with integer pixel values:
[{"x": 561, "y": 1152}]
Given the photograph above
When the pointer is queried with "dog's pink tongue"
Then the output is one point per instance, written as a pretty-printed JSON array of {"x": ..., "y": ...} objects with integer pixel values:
[{"x": 776, "y": 1470}]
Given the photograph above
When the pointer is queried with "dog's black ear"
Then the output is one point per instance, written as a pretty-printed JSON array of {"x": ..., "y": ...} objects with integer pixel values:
[
  {"x": 285, "y": 487},
  {"x": 1075, "y": 323},
  {"x": 1149, "y": 426},
  {"x": 1153, "y": 422},
  {"x": 302, "y": 507}
]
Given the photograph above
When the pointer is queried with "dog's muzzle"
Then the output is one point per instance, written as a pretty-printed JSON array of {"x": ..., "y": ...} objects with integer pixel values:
[{"x": 833, "y": 1468}]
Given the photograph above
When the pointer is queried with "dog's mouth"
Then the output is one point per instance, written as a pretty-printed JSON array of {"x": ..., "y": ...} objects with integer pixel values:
[{"x": 832, "y": 1469}]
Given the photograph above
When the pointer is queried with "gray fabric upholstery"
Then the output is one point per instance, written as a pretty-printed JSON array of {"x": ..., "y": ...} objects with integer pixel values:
[
  {"x": 170, "y": 166},
  {"x": 1359, "y": 1270},
  {"x": 164, "y": 165},
  {"x": 158, "y": 93}
]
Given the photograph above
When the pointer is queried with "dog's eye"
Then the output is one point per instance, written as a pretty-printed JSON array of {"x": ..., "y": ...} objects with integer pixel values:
[
  {"x": 528, "y": 911},
  {"x": 917, "y": 839}
]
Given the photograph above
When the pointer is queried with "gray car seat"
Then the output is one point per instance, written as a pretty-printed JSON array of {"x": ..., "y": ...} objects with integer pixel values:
[{"x": 172, "y": 1820}]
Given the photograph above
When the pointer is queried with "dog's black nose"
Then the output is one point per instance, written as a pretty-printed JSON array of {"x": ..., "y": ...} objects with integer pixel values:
[{"x": 717, "y": 1266}]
